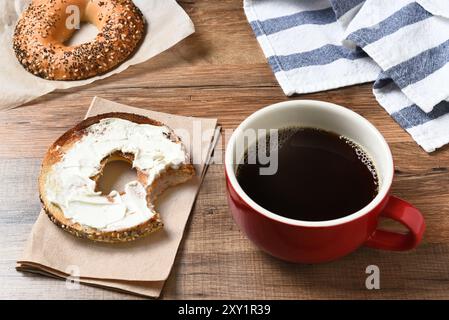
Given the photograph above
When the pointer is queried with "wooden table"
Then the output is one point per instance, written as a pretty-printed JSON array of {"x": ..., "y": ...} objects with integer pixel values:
[{"x": 220, "y": 71}]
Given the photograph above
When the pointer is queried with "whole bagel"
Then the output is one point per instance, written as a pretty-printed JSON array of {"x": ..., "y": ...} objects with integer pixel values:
[{"x": 43, "y": 29}]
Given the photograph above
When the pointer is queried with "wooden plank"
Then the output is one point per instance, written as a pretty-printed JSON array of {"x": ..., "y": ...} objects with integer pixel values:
[
  {"x": 48, "y": 117},
  {"x": 209, "y": 263}
]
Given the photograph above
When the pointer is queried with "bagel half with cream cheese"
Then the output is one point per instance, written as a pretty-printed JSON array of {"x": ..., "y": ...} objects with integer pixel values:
[
  {"x": 75, "y": 161},
  {"x": 43, "y": 29}
]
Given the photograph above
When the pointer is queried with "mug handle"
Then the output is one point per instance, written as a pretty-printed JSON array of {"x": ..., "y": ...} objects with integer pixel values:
[{"x": 404, "y": 213}]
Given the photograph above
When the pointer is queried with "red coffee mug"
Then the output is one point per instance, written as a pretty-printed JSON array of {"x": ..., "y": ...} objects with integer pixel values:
[{"x": 310, "y": 241}]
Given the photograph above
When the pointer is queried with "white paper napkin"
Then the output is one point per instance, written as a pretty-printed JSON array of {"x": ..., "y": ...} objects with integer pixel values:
[{"x": 167, "y": 24}]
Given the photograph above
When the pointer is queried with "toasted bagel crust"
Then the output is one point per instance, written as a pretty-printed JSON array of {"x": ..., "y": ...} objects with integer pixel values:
[
  {"x": 169, "y": 177},
  {"x": 45, "y": 25}
]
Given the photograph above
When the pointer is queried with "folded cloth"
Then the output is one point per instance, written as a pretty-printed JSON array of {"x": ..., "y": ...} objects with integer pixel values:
[{"x": 403, "y": 45}]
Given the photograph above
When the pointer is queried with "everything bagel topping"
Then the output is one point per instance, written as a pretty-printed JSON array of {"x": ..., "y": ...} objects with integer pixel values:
[{"x": 41, "y": 33}]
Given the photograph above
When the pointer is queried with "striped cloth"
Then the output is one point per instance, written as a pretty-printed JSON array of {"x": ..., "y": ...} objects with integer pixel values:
[{"x": 402, "y": 45}]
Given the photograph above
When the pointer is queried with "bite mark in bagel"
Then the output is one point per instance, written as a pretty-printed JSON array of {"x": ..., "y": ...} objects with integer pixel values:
[{"x": 74, "y": 163}]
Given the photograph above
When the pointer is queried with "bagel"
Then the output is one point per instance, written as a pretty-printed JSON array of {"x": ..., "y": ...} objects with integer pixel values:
[
  {"x": 42, "y": 30},
  {"x": 75, "y": 161}
]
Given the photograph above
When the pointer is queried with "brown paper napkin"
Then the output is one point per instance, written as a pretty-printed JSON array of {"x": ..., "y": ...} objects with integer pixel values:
[{"x": 142, "y": 266}]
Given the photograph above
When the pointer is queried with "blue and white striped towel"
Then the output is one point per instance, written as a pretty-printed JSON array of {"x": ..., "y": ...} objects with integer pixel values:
[{"x": 402, "y": 45}]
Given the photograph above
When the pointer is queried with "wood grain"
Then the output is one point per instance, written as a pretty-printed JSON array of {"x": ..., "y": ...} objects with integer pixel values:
[{"x": 221, "y": 72}]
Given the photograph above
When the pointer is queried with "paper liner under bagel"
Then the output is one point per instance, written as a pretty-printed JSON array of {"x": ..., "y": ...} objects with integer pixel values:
[
  {"x": 139, "y": 267},
  {"x": 167, "y": 178}
]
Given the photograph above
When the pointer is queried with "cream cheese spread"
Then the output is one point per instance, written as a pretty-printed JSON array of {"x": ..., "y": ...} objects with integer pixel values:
[{"x": 70, "y": 187}]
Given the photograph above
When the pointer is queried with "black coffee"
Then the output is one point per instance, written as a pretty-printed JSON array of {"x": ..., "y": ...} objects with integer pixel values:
[{"x": 320, "y": 176}]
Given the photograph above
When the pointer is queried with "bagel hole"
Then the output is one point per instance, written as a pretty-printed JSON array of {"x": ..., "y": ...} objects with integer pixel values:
[
  {"x": 116, "y": 174},
  {"x": 86, "y": 33}
]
